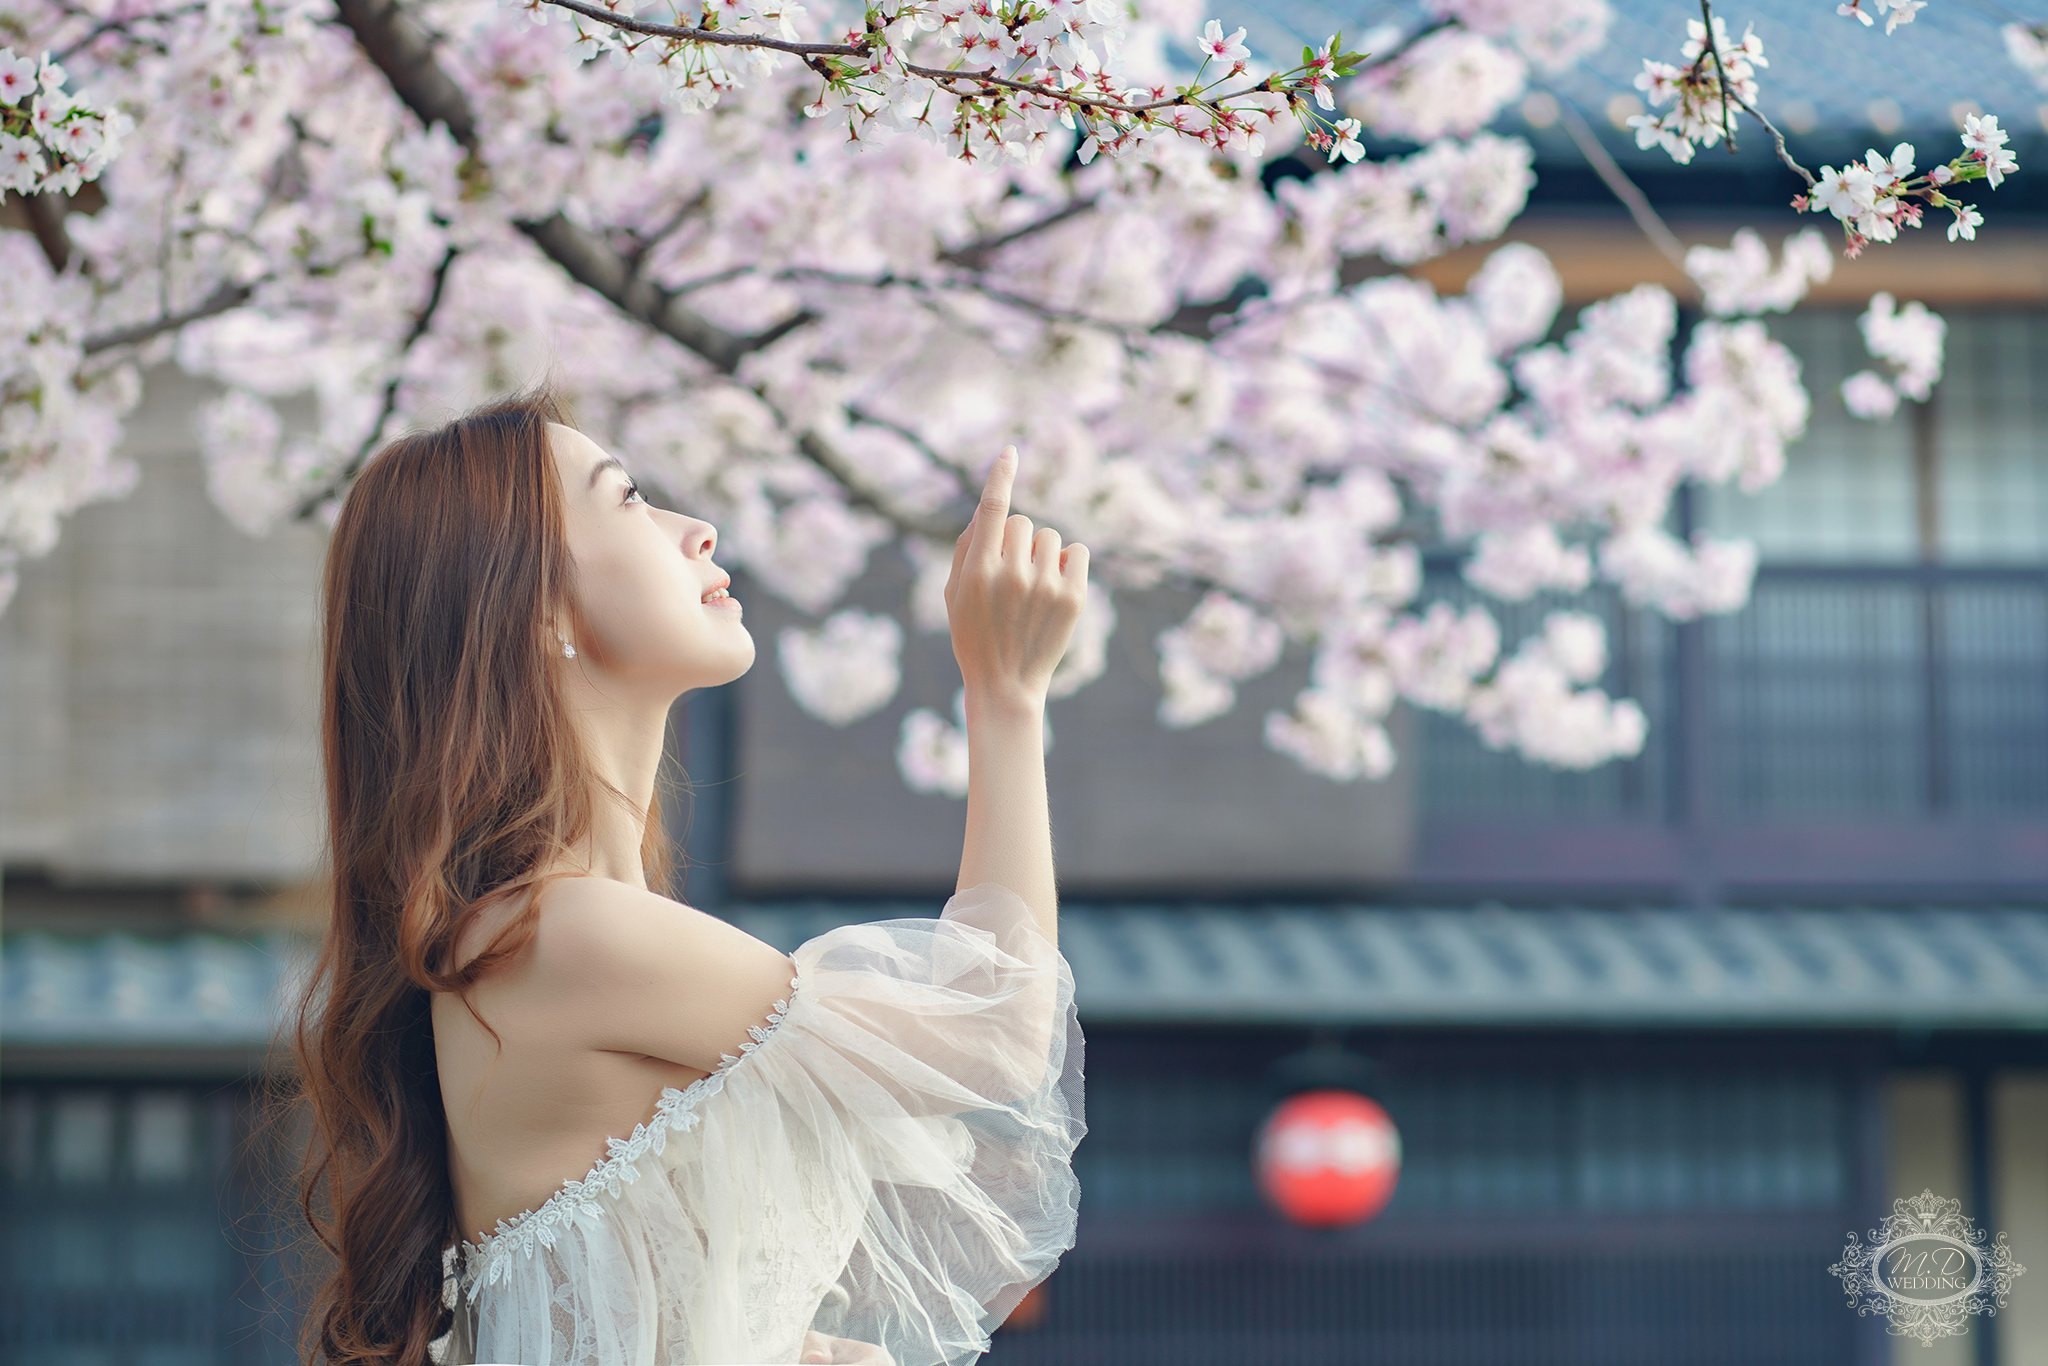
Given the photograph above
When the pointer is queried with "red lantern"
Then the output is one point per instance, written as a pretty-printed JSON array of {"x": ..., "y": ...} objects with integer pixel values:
[{"x": 1328, "y": 1158}]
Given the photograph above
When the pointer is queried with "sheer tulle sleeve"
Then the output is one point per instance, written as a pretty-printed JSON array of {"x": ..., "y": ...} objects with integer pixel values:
[
  {"x": 888, "y": 1161},
  {"x": 950, "y": 1053}
]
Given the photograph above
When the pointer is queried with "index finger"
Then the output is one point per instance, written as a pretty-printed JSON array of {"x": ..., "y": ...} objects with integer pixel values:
[{"x": 994, "y": 509}]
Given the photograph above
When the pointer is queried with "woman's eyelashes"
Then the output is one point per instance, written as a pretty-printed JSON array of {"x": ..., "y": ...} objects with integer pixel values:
[{"x": 633, "y": 492}]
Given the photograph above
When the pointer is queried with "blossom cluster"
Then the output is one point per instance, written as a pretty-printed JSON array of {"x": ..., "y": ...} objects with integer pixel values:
[
  {"x": 60, "y": 416},
  {"x": 846, "y": 669},
  {"x": 981, "y": 77},
  {"x": 844, "y": 330},
  {"x": 1894, "y": 12},
  {"x": 1742, "y": 280},
  {"x": 2028, "y": 48},
  {"x": 1907, "y": 344},
  {"x": 1874, "y": 198},
  {"x": 50, "y": 139},
  {"x": 1714, "y": 84}
]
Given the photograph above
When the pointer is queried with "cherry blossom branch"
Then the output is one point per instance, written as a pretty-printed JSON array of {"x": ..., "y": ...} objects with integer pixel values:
[
  {"x": 975, "y": 255},
  {"x": 123, "y": 25},
  {"x": 860, "y": 493},
  {"x": 866, "y": 73},
  {"x": 1401, "y": 49},
  {"x": 1054, "y": 94},
  {"x": 399, "y": 48},
  {"x": 645, "y": 242},
  {"x": 716, "y": 277},
  {"x": 223, "y": 299},
  {"x": 45, "y": 214},
  {"x": 1874, "y": 198},
  {"x": 404, "y": 53},
  {"x": 421, "y": 321},
  {"x": 889, "y": 280},
  {"x": 710, "y": 37},
  {"x": 1777, "y": 138},
  {"x": 865, "y": 49},
  {"x": 961, "y": 483},
  {"x": 596, "y": 266},
  {"x": 1713, "y": 54}
]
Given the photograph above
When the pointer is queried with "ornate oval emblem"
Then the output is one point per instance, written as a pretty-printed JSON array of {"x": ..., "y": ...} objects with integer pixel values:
[{"x": 1928, "y": 1268}]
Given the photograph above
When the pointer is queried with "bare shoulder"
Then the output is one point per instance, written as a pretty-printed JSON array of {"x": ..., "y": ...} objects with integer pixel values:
[{"x": 639, "y": 973}]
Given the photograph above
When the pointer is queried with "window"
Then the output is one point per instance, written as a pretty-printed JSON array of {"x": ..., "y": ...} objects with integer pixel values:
[
  {"x": 129, "y": 1229},
  {"x": 1967, "y": 478}
]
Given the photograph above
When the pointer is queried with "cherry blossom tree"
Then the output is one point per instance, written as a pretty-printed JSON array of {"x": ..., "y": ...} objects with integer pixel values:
[{"x": 808, "y": 271}]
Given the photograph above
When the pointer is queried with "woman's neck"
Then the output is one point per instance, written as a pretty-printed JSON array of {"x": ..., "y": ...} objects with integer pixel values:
[{"x": 623, "y": 741}]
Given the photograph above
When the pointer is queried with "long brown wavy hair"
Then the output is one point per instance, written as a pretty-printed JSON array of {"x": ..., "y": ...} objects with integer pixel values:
[{"x": 454, "y": 777}]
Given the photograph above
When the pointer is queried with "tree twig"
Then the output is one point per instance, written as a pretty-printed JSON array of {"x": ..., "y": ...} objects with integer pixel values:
[
  {"x": 863, "y": 50},
  {"x": 644, "y": 243},
  {"x": 122, "y": 26},
  {"x": 1720, "y": 74},
  {"x": 710, "y": 37},
  {"x": 421, "y": 320},
  {"x": 1624, "y": 189},
  {"x": 975, "y": 254},
  {"x": 45, "y": 213},
  {"x": 1777, "y": 138},
  {"x": 220, "y": 301},
  {"x": 862, "y": 494},
  {"x": 890, "y": 280},
  {"x": 962, "y": 485},
  {"x": 1400, "y": 49}
]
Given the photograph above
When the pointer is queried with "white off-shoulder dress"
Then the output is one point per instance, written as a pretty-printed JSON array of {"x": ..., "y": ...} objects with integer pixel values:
[{"x": 888, "y": 1160}]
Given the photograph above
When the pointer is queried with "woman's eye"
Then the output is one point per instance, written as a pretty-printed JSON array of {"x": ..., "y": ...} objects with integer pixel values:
[{"x": 633, "y": 493}]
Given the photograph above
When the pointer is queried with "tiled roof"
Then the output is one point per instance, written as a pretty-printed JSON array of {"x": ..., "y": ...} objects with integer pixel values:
[
  {"x": 120, "y": 990},
  {"x": 1496, "y": 966},
  {"x": 1272, "y": 965},
  {"x": 1830, "y": 65}
]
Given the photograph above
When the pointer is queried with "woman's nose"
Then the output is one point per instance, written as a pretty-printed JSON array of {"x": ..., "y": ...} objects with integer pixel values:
[{"x": 699, "y": 539}]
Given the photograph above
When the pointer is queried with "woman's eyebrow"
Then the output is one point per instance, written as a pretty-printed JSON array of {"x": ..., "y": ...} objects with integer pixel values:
[{"x": 608, "y": 463}]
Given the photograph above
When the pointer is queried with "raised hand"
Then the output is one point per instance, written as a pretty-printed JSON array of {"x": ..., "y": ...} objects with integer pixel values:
[{"x": 1012, "y": 599}]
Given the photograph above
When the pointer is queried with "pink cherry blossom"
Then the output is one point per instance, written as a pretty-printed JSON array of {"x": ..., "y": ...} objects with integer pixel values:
[
  {"x": 1986, "y": 140},
  {"x": 1220, "y": 48},
  {"x": 17, "y": 77},
  {"x": 831, "y": 323},
  {"x": 846, "y": 669},
  {"x": 1344, "y": 142}
]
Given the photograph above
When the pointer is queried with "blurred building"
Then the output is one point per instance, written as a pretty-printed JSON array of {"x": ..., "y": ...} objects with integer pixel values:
[{"x": 1658, "y": 1037}]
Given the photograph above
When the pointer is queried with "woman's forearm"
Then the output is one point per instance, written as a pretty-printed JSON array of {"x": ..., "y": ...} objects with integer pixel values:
[
  {"x": 1009, "y": 827},
  {"x": 1012, "y": 599}
]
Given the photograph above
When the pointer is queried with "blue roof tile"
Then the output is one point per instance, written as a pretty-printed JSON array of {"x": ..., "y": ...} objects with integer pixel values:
[
  {"x": 1823, "y": 66},
  {"x": 1300, "y": 965}
]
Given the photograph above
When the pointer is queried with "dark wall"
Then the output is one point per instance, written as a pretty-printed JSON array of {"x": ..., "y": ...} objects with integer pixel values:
[{"x": 1135, "y": 806}]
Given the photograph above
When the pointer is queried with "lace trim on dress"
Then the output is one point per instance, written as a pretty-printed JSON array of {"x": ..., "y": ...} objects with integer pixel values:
[{"x": 482, "y": 1264}]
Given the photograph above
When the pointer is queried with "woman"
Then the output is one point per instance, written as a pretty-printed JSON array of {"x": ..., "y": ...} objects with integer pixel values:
[{"x": 562, "y": 1120}]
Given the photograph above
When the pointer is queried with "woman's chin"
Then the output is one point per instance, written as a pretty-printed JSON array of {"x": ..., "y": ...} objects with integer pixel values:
[{"x": 740, "y": 663}]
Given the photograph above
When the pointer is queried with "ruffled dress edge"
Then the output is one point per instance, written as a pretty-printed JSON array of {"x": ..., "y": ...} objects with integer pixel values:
[{"x": 476, "y": 1265}]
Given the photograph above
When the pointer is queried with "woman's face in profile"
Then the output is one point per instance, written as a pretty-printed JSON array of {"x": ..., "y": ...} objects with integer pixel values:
[{"x": 652, "y": 604}]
